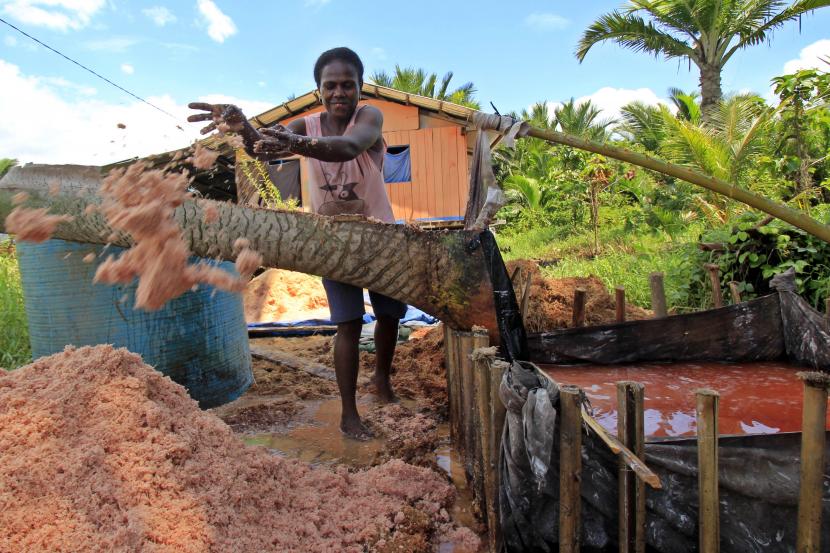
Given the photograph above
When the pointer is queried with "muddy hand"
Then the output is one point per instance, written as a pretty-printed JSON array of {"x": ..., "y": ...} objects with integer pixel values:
[
  {"x": 275, "y": 140},
  {"x": 225, "y": 117}
]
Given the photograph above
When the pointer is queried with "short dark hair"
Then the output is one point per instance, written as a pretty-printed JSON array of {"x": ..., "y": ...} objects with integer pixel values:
[{"x": 346, "y": 55}]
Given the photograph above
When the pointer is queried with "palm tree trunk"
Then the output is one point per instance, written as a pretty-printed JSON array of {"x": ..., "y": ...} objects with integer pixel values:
[
  {"x": 710, "y": 88},
  {"x": 442, "y": 273}
]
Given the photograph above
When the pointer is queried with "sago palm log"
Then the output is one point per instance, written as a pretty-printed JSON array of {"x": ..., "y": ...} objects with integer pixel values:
[
  {"x": 443, "y": 273},
  {"x": 783, "y": 212}
]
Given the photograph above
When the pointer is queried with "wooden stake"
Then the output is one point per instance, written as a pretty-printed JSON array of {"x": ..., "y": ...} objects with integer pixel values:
[
  {"x": 632, "y": 499},
  {"x": 480, "y": 341},
  {"x": 619, "y": 293},
  {"x": 813, "y": 424},
  {"x": 736, "y": 293},
  {"x": 466, "y": 423},
  {"x": 526, "y": 295},
  {"x": 658, "y": 295},
  {"x": 578, "y": 319},
  {"x": 451, "y": 361},
  {"x": 714, "y": 278},
  {"x": 497, "y": 416},
  {"x": 570, "y": 469},
  {"x": 482, "y": 359},
  {"x": 707, "y": 463},
  {"x": 827, "y": 310}
]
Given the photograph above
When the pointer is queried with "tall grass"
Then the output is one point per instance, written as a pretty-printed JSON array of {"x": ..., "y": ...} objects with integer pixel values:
[{"x": 14, "y": 337}]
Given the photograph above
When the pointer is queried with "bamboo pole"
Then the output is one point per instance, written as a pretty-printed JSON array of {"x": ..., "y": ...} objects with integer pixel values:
[
  {"x": 707, "y": 462},
  {"x": 714, "y": 279},
  {"x": 619, "y": 295},
  {"x": 570, "y": 469},
  {"x": 788, "y": 214},
  {"x": 497, "y": 416},
  {"x": 578, "y": 319},
  {"x": 632, "y": 498},
  {"x": 658, "y": 295},
  {"x": 735, "y": 292},
  {"x": 813, "y": 437}
]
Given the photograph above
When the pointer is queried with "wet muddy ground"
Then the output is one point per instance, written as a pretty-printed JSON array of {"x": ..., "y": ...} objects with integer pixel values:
[{"x": 295, "y": 414}]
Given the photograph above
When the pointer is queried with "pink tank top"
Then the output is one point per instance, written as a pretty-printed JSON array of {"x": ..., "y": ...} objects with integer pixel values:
[{"x": 347, "y": 187}]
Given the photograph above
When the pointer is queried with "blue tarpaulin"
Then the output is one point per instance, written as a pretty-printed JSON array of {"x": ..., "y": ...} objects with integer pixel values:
[
  {"x": 413, "y": 316},
  {"x": 397, "y": 166}
]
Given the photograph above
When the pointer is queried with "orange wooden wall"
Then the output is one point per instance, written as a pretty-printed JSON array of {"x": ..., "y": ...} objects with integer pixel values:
[{"x": 438, "y": 154}]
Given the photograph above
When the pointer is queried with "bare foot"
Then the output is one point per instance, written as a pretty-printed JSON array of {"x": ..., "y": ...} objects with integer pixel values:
[
  {"x": 355, "y": 429},
  {"x": 383, "y": 389}
]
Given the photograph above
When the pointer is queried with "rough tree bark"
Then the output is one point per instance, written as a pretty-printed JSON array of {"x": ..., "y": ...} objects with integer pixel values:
[
  {"x": 436, "y": 271},
  {"x": 710, "y": 88}
]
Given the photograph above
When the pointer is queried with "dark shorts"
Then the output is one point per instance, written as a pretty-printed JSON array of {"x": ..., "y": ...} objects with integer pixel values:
[{"x": 346, "y": 303}]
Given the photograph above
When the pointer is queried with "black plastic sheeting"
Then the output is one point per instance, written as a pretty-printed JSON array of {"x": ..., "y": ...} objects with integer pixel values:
[
  {"x": 508, "y": 315},
  {"x": 779, "y": 326},
  {"x": 758, "y": 478}
]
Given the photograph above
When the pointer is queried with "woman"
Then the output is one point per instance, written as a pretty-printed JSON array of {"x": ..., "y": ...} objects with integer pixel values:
[{"x": 345, "y": 148}]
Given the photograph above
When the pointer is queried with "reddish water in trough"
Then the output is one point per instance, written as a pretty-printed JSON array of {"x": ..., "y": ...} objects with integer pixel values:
[{"x": 755, "y": 398}]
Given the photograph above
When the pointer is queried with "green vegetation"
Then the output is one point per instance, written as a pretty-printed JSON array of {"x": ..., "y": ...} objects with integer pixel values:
[
  {"x": 579, "y": 213},
  {"x": 418, "y": 81},
  {"x": 14, "y": 340}
]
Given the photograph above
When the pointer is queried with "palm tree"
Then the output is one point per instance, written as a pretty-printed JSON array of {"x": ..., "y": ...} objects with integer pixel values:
[
  {"x": 582, "y": 120},
  {"x": 6, "y": 164},
  {"x": 704, "y": 32},
  {"x": 417, "y": 81}
]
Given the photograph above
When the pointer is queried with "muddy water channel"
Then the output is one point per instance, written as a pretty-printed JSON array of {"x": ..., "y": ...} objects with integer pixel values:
[{"x": 755, "y": 398}]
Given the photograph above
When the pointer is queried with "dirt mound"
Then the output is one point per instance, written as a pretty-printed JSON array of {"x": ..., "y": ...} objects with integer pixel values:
[
  {"x": 409, "y": 436},
  {"x": 419, "y": 372},
  {"x": 103, "y": 453},
  {"x": 279, "y": 295},
  {"x": 551, "y": 300}
]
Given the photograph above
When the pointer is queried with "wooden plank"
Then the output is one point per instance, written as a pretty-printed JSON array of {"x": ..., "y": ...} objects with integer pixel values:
[
  {"x": 416, "y": 151},
  {"x": 707, "y": 471},
  {"x": 813, "y": 436},
  {"x": 272, "y": 353},
  {"x": 438, "y": 157},
  {"x": 452, "y": 194},
  {"x": 463, "y": 173},
  {"x": 658, "y": 295},
  {"x": 430, "y": 172}
]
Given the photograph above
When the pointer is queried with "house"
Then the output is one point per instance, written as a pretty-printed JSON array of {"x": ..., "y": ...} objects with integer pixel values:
[{"x": 430, "y": 144}]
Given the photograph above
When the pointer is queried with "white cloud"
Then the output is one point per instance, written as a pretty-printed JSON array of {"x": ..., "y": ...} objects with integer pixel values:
[
  {"x": 114, "y": 44},
  {"x": 62, "y": 83},
  {"x": 10, "y": 41},
  {"x": 160, "y": 15},
  {"x": 220, "y": 26},
  {"x": 546, "y": 21},
  {"x": 378, "y": 53},
  {"x": 610, "y": 100},
  {"x": 59, "y": 15},
  {"x": 810, "y": 57},
  {"x": 87, "y": 133},
  {"x": 250, "y": 107},
  {"x": 316, "y": 3},
  {"x": 127, "y": 69}
]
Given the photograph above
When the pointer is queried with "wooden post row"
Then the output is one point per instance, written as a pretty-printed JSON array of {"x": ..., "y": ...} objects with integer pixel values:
[
  {"x": 707, "y": 471},
  {"x": 570, "y": 469},
  {"x": 658, "y": 295},
  {"x": 735, "y": 292},
  {"x": 808, "y": 534},
  {"x": 451, "y": 362},
  {"x": 632, "y": 496},
  {"x": 498, "y": 414}
]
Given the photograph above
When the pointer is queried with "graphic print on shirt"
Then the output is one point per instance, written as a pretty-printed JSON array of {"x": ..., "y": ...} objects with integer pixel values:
[{"x": 341, "y": 191}]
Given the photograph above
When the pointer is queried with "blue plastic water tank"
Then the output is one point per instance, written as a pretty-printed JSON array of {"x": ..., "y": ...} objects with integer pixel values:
[{"x": 199, "y": 340}]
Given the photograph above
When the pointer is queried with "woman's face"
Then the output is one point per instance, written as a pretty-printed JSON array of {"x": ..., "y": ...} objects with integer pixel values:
[{"x": 340, "y": 89}]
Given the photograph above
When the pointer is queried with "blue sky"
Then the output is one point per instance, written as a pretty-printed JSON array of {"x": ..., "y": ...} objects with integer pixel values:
[{"x": 257, "y": 53}]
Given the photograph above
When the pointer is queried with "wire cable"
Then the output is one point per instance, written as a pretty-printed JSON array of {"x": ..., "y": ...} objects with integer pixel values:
[{"x": 84, "y": 67}]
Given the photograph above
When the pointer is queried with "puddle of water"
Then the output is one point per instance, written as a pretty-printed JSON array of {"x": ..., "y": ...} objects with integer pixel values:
[
  {"x": 320, "y": 442},
  {"x": 449, "y": 460}
]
